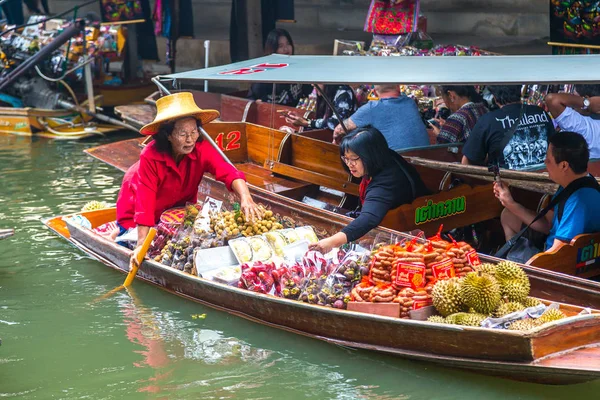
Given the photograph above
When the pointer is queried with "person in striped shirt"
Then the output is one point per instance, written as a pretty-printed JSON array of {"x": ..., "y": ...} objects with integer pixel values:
[{"x": 466, "y": 105}]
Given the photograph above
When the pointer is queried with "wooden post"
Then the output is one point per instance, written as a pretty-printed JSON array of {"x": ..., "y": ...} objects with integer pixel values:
[{"x": 254, "y": 18}]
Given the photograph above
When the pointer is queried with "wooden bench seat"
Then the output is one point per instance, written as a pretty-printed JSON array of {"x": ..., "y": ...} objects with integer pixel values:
[{"x": 263, "y": 178}]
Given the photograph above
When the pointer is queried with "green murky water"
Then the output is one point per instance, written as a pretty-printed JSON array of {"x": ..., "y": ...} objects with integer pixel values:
[{"x": 56, "y": 345}]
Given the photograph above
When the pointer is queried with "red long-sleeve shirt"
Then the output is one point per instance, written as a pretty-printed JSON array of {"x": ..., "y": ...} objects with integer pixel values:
[{"x": 156, "y": 183}]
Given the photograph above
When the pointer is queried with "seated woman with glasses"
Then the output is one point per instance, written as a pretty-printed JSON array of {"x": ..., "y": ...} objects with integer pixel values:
[
  {"x": 388, "y": 181},
  {"x": 171, "y": 168}
]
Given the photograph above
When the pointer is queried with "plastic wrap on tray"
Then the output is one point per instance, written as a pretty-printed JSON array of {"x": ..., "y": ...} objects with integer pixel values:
[
  {"x": 307, "y": 233},
  {"x": 261, "y": 251},
  {"x": 242, "y": 249},
  {"x": 228, "y": 275},
  {"x": 277, "y": 241},
  {"x": 290, "y": 235}
]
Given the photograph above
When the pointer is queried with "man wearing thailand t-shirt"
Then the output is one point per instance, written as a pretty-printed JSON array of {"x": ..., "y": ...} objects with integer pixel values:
[
  {"x": 494, "y": 139},
  {"x": 574, "y": 112},
  {"x": 566, "y": 162},
  {"x": 396, "y": 116}
]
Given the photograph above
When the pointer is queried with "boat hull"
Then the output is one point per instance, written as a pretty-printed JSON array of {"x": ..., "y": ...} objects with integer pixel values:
[
  {"x": 483, "y": 351},
  {"x": 514, "y": 355}
]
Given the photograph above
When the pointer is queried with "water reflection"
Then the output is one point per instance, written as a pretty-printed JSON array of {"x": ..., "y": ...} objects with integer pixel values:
[{"x": 147, "y": 345}]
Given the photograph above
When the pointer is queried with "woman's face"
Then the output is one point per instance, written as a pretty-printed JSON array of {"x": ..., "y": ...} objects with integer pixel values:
[
  {"x": 284, "y": 46},
  {"x": 354, "y": 163},
  {"x": 184, "y": 136}
]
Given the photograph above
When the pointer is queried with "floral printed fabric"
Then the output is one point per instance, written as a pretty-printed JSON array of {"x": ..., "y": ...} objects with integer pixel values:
[{"x": 389, "y": 17}]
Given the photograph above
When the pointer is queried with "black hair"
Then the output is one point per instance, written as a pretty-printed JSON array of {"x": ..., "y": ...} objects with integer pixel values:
[
  {"x": 587, "y": 90},
  {"x": 372, "y": 148},
  {"x": 467, "y": 91},
  {"x": 506, "y": 94},
  {"x": 572, "y": 148},
  {"x": 161, "y": 138},
  {"x": 272, "y": 41}
]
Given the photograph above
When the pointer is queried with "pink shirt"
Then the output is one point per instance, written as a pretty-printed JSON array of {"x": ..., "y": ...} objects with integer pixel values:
[{"x": 156, "y": 183}]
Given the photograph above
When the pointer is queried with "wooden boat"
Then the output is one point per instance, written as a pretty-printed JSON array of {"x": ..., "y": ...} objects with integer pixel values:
[
  {"x": 54, "y": 124},
  {"x": 233, "y": 107},
  {"x": 563, "y": 352},
  {"x": 299, "y": 167},
  {"x": 4, "y": 233}
]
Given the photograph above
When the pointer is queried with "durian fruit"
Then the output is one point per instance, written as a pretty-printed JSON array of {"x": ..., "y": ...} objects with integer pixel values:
[
  {"x": 487, "y": 268},
  {"x": 531, "y": 302},
  {"x": 94, "y": 205},
  {"x": 523, "y": 325},
  {"x": 454, "y": 318},
  {"x": 508, "y": 307},
  {"x": 513, "y": 281},
  {"x": 466, "y": 319},
  {"x": 550, "y": 315},
  {"x": 480, "y": 292},
  {"x": 438, "y": 319},
  {"x": 446, "y": 296}
]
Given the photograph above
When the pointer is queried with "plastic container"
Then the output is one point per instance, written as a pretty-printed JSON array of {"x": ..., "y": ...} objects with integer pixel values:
[
  {"x": 242, "y": 250},
  {"x": 307, "y": 233},
  {"x": 290, "y": 235},
  {"x": 261, "y": 250},
  {"x": 277, "y": 241}
]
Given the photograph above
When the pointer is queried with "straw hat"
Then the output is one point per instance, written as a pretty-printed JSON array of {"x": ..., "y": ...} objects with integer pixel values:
[{"x": 175, "y": 106}]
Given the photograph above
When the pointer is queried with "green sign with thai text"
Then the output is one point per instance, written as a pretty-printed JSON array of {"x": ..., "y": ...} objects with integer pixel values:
[{"x": 432, "y": 211}]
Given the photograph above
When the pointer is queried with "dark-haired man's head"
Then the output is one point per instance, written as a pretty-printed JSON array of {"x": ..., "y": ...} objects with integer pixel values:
[
  {"x": 506, "y": 94},
  {"x": 567, "y": 157},
  {"x": 587, "y": 90}
]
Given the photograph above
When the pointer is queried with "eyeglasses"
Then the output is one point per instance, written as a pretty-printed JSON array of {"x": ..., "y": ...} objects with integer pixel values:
[
  {"x": 184, "y": 135},
  {"x": 350, "y": 161}
]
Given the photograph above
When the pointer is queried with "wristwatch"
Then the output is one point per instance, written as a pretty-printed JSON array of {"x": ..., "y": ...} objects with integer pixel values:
[{"x": 586, "y": 103}]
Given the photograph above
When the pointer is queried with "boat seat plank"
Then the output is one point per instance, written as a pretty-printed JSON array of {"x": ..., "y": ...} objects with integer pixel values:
[
  {"x": 136, "y": 114},
  {"x": 262, "y": 177},
  {"x": 316, "y": 178}
]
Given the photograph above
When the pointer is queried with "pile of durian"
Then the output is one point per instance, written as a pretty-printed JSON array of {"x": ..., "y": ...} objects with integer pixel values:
[{"x": 491, "y": 291}]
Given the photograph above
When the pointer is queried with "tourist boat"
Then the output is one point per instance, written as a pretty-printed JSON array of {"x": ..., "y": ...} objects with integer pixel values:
[
  {"x": 563, "y": 352},
  {"x": 234, "y": 107},
  {"x": 415, "y": 71},
  {"x": 303, "y": 168},
  {"x": 4, "y": 233}
]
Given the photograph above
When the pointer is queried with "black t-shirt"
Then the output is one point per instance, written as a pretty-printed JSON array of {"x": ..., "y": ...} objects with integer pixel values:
[
  {"x": 285, "y": 94},
  {"x": 526, "y": 148},
  {"x": 387, "y": 190}
]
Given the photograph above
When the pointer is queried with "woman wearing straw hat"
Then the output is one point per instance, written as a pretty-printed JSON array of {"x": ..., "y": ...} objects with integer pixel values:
[{"x": 172, "y": 165}]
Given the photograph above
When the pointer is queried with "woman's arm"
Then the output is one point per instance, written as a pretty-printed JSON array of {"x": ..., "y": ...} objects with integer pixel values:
[
  {"x": 325, "y": 245},
  {"x": 249, "y": 208}
]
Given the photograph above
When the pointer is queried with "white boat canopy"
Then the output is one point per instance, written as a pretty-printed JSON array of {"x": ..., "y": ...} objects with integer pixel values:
[{"x": 439, "y": 70}]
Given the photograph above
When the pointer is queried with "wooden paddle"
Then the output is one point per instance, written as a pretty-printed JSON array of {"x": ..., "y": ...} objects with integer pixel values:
[
  {"x": 134, "y": 268},
  {"x": 140, "y": 257}
]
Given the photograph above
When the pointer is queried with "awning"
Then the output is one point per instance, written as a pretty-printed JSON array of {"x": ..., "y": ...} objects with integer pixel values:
[{"x": 404, "y": 70}]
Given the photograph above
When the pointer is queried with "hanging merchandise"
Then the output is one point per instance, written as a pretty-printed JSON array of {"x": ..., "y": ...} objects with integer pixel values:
[
  {"x": 146, "y": 40},
  {"x": 392, "y": 17},
  {"x": 177, "y": 21},
  {"x": 575, "y": 22},
  {"x": 13, "y": 12},
  {"x": 121, "y": 11}
]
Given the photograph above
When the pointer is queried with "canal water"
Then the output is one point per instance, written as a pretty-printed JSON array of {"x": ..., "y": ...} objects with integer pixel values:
[{"x": 149, "y": 344}]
